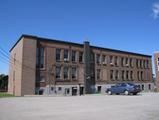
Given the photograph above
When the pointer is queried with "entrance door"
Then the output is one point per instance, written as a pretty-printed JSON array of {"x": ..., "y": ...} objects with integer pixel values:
[
  {"x": 81, "y": 90},
  {"x": 99, "y": 89},
  {"x": 40, "y": 92}
]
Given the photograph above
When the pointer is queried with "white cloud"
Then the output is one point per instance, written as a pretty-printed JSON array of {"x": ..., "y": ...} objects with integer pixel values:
[{"x": 155, "y": 10}]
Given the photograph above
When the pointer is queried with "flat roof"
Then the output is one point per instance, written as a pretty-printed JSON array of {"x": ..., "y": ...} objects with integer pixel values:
[{"x": 75, "y": 44}]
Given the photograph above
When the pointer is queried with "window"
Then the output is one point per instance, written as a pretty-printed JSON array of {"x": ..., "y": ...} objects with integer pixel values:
[
  {"x": 104, "y": 59},
  {"x": 73, "y": 56},
  {"x": 74, "y": 73},
  {"x": 116, "y": 75},
  {"x": 147, "y": 64},
  {"x": 98, "y": 74},
  {"x": 131, "y": 75},
  {"x": 126, "y": 62},
  {"x": 127, "y": 75},
  {"x": 92, "y": 57},
  {"x": 65, "y": 55},
  {"x": 80, "y": 56},
  {"x": 158, "y": 61},
  {"x": 111, "y": 74},
  {"x": 37, "y": 57},
  {"x": 141, "y": 75},
  {"x": 140, "y": 63},
  {"x": 138, "y": 76},
  {"x": 65, "y": 72},
  {"x": 41, "y": 57},
  {"x": 122, "y": 76},
  {"x": 42, "y": 79},
  {"x": 131, "y": 62},
  {"x": 58, "y": 72},
  {"x": 58, "y": 53},
  {"x": 122, "y": 61},
  {"x": 116, "y": 61},
  {"x": 137, "y": 63},
  {"x": 144, "y": 63},
  {"x": 98, "y": 58},
  {"x": 111, "y": 60}
]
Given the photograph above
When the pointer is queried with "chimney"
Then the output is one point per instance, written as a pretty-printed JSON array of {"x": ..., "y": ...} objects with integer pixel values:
[{"x": 89, "y": 79}]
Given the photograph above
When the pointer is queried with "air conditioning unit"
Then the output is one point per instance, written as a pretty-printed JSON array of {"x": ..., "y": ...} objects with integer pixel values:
[{"x": 104, "y": 63}]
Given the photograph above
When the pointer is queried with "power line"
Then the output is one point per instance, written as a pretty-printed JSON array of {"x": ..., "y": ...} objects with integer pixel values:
[
  {"x": 6, "y": 61},
  {"x": 4, "y": 53}
]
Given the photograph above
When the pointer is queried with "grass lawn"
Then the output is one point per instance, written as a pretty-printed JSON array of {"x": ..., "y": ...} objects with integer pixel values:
[{"x": 3, "y": 94}]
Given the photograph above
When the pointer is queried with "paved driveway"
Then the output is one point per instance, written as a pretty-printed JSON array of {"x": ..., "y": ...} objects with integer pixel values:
[{"x": 90, "y": 107}]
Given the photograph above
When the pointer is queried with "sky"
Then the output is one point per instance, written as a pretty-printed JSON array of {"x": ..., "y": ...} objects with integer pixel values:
[{"x": 129, "y": 25}]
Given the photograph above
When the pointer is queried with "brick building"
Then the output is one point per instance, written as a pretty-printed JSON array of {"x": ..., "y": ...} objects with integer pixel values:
[
  {"x": 156, "y": 61},
  {"x": 47, "y": 66}
]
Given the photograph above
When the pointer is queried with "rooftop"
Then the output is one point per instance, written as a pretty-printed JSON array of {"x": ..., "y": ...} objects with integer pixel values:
[{"x": 76, "y": 44}]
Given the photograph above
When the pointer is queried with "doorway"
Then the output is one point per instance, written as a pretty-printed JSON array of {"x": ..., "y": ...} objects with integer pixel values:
[
  {"x": 99, "y": 89},
  {"x": 40, "y": 92},
  {"x": 81, "y": 91},
  {"x": 74, "y": 91}
]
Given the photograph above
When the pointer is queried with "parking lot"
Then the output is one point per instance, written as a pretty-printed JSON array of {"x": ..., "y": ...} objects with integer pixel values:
[{"x": 90, "y": 107}]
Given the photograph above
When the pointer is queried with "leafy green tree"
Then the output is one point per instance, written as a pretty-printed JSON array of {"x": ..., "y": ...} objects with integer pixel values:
[{"x": 3, "y": 82}]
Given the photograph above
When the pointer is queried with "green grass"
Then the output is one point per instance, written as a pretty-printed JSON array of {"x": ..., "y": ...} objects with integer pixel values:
[{"x": 3, "y": 95}]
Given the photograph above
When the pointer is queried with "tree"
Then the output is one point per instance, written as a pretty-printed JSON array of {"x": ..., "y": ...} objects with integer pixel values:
[{"x": 3, "y": 82}]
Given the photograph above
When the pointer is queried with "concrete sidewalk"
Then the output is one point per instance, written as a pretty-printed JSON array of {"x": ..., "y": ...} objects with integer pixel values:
[{"x": 90, "y": 107}]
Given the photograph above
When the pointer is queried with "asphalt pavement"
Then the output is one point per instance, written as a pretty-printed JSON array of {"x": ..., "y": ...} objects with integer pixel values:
[{"x": 89, "y": 107}]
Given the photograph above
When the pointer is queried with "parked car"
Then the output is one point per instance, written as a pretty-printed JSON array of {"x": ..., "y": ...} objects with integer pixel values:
[{"x": 124, "y": 88}]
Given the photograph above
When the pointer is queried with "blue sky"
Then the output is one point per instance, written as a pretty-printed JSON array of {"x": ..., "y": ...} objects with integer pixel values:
[{"x": 131, "y": 25}]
